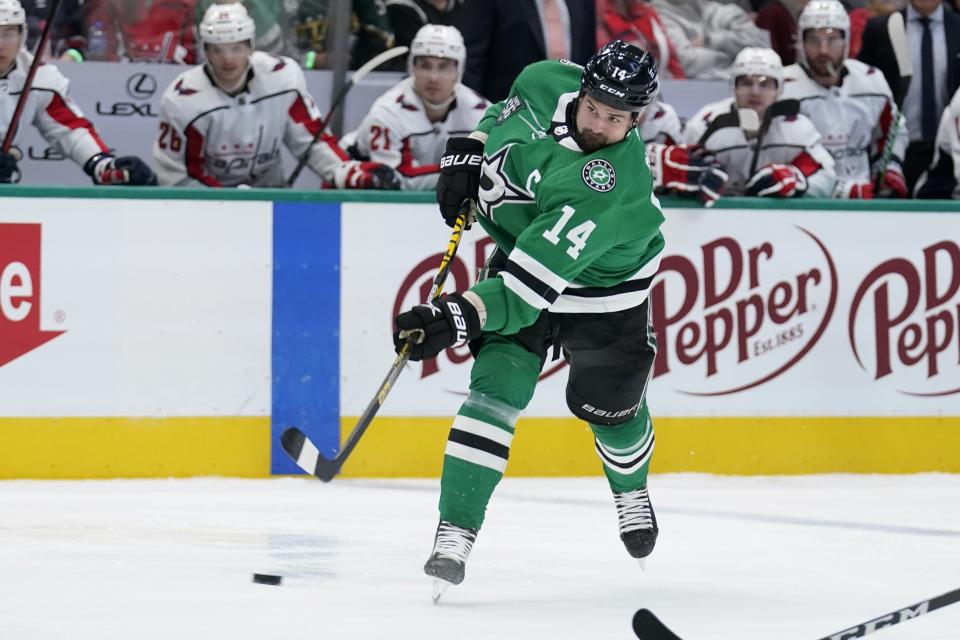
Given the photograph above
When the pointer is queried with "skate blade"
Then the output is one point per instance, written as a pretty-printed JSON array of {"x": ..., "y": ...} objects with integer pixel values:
[
  {"x": 643, "y": 563},
  {"x": 439, "y": 588}
]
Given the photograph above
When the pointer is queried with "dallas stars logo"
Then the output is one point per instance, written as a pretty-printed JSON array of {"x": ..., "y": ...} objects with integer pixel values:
[
  {"x": 495, "y": 185},
  {"x": 599, "y": 175}
]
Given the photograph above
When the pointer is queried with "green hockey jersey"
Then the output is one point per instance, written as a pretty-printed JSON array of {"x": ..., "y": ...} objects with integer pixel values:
[{"x": 582, "y": 231}]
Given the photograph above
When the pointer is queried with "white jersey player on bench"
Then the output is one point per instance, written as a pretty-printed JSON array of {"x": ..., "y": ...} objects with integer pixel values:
[
  {"x": 223, "y": 123},
  {"x": 408, "y": 126},
  {"x": 49, "y": 109},
  {"x": 849, "y": 102},
  {"x": 766, "y": 147}
]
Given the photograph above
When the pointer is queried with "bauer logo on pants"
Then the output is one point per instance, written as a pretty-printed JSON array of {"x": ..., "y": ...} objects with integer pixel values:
[
  {"x": 20, "y": 330},
  {"x": 599, "y": 175}
]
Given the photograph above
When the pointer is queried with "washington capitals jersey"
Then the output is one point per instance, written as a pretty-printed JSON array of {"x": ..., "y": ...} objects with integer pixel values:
[
  {"x": 660, "y": 124},
  {"x": 853, "y": 118},
  {"x": 208, "y": 137},
  {"x": 49, "y": 108},
  {"x": 942, "y": 179},
  {"x": 785, "y": 138},
  {"x": 396, "y": 132}
]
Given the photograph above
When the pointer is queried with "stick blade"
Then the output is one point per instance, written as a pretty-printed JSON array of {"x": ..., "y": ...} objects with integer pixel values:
[
  {"x": 298, "y": 446},
  {"x": 648, "y": 627},
  {"x": 897, "y": 31}
]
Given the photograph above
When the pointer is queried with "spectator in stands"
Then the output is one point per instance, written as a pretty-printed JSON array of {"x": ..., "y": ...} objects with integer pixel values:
[
  {"x": 408, "y": 16},
  {"x": 708, "y": 35},
  {"x": 222, "y": 123},
  {"x": 779, "y": 17},
  {"x": 66, "y": 32},
  {"x": 371, "y": 31},
  {"x": 273, "y": 24},
  {"x": 140, "y": 30},
  {"x": 637, "y": 22},
  {"x": 767, "y": 148},
  {"x": 859, "y": 16},
  {"x": 408, "y": 126},
  {"x": 933, "y": 40},
  {"x": 504, "y": 36},
  {"x": 53, "y": 113},
  {"x": 942, "y": 179}
]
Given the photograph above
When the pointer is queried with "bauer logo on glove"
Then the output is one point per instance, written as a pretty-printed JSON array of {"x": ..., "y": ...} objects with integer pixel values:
[{"x": 449, "y": 321}]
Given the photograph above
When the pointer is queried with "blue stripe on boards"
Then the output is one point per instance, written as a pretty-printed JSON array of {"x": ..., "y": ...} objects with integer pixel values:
[{"x": 306, "y": 326}]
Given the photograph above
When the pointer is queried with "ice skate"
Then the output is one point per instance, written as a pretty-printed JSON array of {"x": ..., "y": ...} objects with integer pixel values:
[
  {"x": 447, "y": 563},
  {"x": 638, "y": 524}
]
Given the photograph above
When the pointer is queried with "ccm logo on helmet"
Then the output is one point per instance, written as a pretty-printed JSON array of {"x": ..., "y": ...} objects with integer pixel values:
[{"x": 612, "y": 91}]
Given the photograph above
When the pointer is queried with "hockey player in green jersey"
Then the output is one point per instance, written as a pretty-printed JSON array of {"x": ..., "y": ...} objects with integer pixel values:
[{"x": 559, "y": 175}]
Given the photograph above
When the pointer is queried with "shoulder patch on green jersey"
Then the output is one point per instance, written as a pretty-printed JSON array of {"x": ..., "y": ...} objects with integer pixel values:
[
  {"x": 599, "y": 175},
  {"x": 511, "y": 106}
]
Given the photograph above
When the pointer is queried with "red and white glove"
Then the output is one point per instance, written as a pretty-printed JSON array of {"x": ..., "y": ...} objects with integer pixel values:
[
  {"x": 850, "y": 190},
  {"x": 777, "y": 181},
  {"x": 676, "y": 167},
  {"x": 367, "y": 175},
  {"x": 686, "y": 169},
  {"x": 894, "y": 185}
]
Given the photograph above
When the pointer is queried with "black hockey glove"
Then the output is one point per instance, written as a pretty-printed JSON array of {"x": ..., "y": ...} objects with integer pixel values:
[
  {"x": 712, "y": 183},
  {"x": 9, "y": 171},
  {"x": 129, "y": 170},
  {"x": 459, "y": 176},
  {"x": 449, "y": 321},
  {"x": 385, "y": 178}
]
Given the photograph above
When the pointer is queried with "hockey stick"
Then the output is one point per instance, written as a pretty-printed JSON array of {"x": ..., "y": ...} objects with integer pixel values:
[
  {"x": 648, "y": 627},
  {"x": 898, "y": 40},
  {"x": 25, "y": 91},
  {"x": 357, "y": 76},
  {"x": 298, "y": 445},
  {"x": 788, "y": 107}
]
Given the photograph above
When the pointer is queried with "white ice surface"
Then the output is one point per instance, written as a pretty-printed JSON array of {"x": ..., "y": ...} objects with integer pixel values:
[{"x": 738, "y": 558}]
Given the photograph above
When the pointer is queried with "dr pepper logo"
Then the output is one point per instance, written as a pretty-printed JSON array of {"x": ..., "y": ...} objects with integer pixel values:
[
  {"x": 904, "y": 321},
  {"x": 740, "y": 313},
  {"x": 20, "y": 298}
]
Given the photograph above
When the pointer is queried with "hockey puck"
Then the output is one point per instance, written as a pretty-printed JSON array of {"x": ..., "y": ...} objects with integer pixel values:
[{"x": 266, "y": 578}]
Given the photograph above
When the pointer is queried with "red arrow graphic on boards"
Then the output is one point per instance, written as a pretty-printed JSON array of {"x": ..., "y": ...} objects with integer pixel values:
[{"x": 20, "y": 331}]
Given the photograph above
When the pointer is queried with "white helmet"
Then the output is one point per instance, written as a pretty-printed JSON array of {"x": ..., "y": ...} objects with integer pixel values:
[
  {"x": 758, "y": 61},
  {"x": 226, "y": 23},
  {"x": 11, "y": 13},
  {"x": 823, "y": 14},
  {"x": 438, "y": 41}
]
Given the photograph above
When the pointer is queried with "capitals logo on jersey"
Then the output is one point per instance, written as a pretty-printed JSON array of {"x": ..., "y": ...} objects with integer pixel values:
[{"x": 599, "y": 175}]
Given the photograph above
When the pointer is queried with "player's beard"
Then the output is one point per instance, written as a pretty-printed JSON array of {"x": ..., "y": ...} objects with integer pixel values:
[
  {"x": 825, "y": 66},
  {"x": 590, "y": 141}
]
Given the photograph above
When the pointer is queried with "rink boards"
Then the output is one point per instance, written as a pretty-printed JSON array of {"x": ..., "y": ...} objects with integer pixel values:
[{"x": 166, "y": 336}]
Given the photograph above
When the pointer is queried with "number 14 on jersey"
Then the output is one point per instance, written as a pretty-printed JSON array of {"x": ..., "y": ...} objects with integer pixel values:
[{"x": 577, "y": 235}]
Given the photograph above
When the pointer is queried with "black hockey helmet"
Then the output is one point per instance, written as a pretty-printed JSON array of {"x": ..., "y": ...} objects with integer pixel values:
[{"x": 622, "y": 76}]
